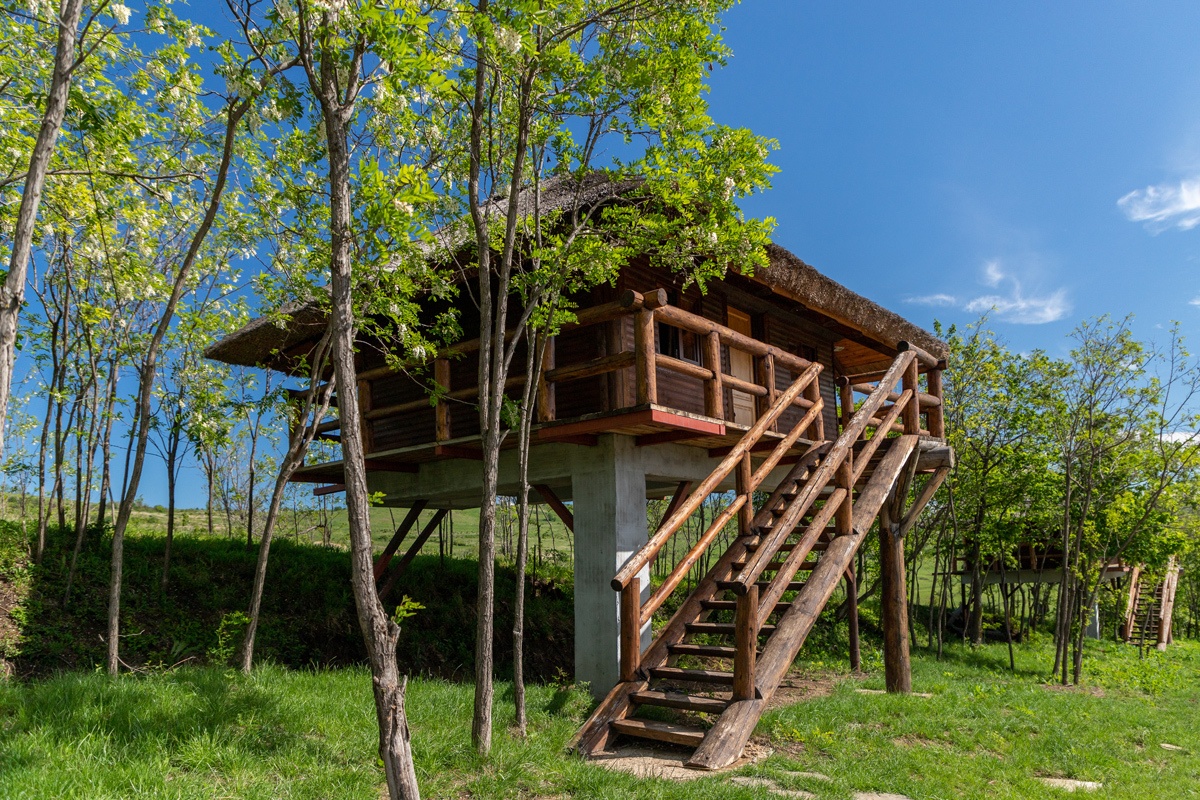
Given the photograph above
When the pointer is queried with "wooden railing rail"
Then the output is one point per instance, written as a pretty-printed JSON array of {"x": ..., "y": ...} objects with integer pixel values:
[
  {"x": 669, "y": 526},
  {"x": 824, "y": 473},
  {"x": 633, "y": 612}
]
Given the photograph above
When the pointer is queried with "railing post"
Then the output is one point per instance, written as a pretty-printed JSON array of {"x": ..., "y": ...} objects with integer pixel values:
[
  {"x": 631, "y": 629},
  {"x": 643, "y": 345},
  {"x": 441, "y": 376},
  {"x": 545, "y": 389},
  {"x": 846, "y": 400},
  {"x": 812, "y": 393},
  {"x": 746, "y": 638},
  {"x": 745, "y": 474},
  {"x": 765, "y": 369},
  {"x": 912, "y": 411},
  {"x": 844, "y": 522},
  {"x": 937, "y": 414},
  {"x": 714, "y": 390}
]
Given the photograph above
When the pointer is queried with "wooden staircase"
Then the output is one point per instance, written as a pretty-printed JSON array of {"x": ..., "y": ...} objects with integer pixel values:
[
  {"x": 1150, "y": 607},
  {"x": 709, "y": 674}
]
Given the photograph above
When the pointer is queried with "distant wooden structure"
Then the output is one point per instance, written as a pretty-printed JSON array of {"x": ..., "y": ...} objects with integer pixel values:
[
  {"x": 782, "y": 382},
  {"x": 1150, "y": 607}
]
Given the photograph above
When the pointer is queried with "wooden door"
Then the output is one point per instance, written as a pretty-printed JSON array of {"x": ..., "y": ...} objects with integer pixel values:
[{"x": 741, "y": 365}]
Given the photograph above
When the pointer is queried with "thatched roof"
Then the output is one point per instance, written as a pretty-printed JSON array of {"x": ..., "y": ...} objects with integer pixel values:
[{"x": 869, "y": 329}]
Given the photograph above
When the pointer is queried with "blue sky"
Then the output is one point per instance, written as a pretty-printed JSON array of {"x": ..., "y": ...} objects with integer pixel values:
[{"x": 946, "y": 158}]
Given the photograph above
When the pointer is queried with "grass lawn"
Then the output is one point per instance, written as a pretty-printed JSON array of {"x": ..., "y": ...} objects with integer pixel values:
[{"x": 984, "y": 732}]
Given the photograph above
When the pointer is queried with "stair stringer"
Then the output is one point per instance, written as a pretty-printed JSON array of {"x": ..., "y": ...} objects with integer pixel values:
[{"x": 727, "y": 738}]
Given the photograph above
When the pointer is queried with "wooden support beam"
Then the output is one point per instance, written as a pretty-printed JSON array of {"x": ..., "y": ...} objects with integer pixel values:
[
  {"x": 410, "y": 519},
  {"x": 321, "y": 491},
  {"x": 852, "y": 608},
  {"x": 413, "y": 549},
  {"x": 746, "y": 621},
  {"x": 894, "y": 605},
  {"x": 557, "y": 505},
  {"x": 681, "y": 493}
]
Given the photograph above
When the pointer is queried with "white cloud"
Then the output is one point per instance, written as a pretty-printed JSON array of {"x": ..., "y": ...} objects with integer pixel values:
[
  {"x": 992, "y": 274},
  {"x": 1013, "y": 305},
  {"x": 1195, "y": 301},
  {"x": 933, "y": 300},
  {"x": 1164, "y": 206}
]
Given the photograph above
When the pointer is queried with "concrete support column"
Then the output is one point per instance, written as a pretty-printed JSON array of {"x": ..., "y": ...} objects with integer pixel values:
[{"x": 609, "y": 490}]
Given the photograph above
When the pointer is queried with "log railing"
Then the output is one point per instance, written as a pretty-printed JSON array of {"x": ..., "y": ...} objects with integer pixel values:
[
  {"x": 627, "y": 581},
  {"x": 648, "y": 311},
  {"x": 839, "y": 467}
]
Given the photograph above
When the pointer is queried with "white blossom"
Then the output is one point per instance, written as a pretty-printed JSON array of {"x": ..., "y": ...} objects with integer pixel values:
[
  {"x": 120, "y": 12},
  {"x": 509, "y": 40},
  {"x": 729, "y": 186}
]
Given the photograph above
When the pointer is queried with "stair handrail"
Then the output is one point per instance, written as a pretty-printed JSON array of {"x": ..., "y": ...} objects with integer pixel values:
[
  {"x": 636, "y": 562},
  {"x": 842, "y": 448}
]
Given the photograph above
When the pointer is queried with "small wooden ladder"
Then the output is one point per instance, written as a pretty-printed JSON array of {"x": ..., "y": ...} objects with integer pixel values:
[{"x": 724, "y": 652}]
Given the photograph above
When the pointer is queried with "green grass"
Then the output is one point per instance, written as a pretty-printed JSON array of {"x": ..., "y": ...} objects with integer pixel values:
[{"x": 300, "y": 734}]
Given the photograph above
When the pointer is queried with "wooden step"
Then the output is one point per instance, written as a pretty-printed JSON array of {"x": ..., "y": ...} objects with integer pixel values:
[
  {"x": 701, "y": 650},
  {"x": 684, "y": 702},
  {"x": 775, "y": 566},
  {"x": 659, "y": 731},
  {"x": 787, "y": 547},
  {"x": 727, "y": 586},
  {"x": 693, "y": 675},
  {"x": 731, "y": 605},
  {"x": 721, "y": 628}
]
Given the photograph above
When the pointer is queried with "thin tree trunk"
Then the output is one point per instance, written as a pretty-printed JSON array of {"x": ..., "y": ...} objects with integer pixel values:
[
  {"x": 146, "y": 376},
  {"x": 380, "y": 633},
  {"x": 12, "y": 293},
  {"x": 302, "y": 436}
]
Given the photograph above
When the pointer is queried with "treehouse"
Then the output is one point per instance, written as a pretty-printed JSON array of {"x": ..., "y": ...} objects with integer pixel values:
[{"x": 811, "y": 406}]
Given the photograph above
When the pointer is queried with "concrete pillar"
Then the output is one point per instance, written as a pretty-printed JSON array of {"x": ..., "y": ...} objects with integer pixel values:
[{"x": 609, "y": 490}]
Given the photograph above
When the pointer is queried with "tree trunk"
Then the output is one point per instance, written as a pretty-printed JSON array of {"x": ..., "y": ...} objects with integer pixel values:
[
  {"x": 302, "y": 436},
  {"x": 380, "y": 633},
  {"x": 141, "y": 421},
  {"x": 172, "y": 478},
  {"x": 12, "y": 293}
]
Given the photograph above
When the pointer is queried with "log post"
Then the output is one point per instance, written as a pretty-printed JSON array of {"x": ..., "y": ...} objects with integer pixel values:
[
  {"x": 631, "y": 629},
  {"x": 714, "y": 389},
  {"x": 812, "y": 393},
  {"x": 912, "y": 410},
  {"x": 852, "y": 614},
  {"x": 745, "y": 472},
  {"x": 846, "y": 392},
  {"x": 643, "y": 347},
  {"x": 894, "y": 605},
  {"x": 746, "y": 640},
  {"x": 936, "y": 414},
  {"x": 765, "y": 375},
  {"x": 545, "y": 389},
  {"x": 441, "y": 376}
]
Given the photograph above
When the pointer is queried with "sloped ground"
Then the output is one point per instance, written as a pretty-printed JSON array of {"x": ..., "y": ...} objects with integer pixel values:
[
  {"x": 308, "y": 610},
  {"x": 983, "y": 732}
]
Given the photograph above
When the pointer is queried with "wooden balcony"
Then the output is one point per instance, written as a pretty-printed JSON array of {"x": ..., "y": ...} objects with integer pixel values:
[{"x": 613, "y": 371}]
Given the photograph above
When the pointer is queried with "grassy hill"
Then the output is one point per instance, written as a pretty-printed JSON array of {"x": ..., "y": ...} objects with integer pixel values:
[{"x": 308, "y": 617}]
